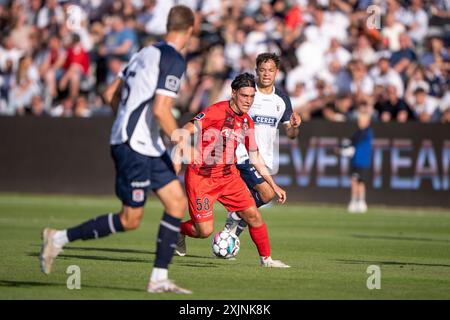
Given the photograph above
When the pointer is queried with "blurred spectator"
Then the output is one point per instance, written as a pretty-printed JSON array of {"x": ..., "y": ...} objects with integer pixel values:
[
  {"x": 76, "y": 67},
  {"x": 21, "y": 33},
  {"x": 9, "y": 53},
  {"x": 393, "y": 108},
  {"x": 25, "y": 86},
  {"x": 331, "y": 59},
  {"x": 425, "y": 107},
  {"x": 385, "y": 76},
  {"x": 120, "y": 43},
  {"x": 37, "y": 107},
  {"x": 50, "y": 16},
  {"x": 391, "y": 31},
  {"x": 340, "y": 110},
  {"x": 403, "y": 59},
  {"x": 418, "y": 21},
  {"x": 32, "y": 12},
  {"x": 361, "y": 85},
  {"x": 445, "y": 108},
  {"x": 51, "y": 67},
  {"x": 363, "y": 51}
]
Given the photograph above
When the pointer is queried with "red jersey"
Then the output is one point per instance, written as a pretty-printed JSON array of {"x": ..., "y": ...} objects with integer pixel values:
[{"x": 220, "y": 132}]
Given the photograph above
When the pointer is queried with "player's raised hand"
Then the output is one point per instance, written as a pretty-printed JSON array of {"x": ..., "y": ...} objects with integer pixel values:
[
  {"x": 281, "y": 194},
  {"x": 295, "y": 120}
]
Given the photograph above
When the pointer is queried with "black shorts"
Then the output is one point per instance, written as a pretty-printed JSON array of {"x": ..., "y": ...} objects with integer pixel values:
[
  {"x": 136, "y": 174},
  {"x": 249, "y": 174},
  {"x": 361, "y": 174}
]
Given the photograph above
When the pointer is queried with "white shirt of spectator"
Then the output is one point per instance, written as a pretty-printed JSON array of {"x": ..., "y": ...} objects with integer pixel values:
[
  {"x": 14, "y": 55},
  {"x": 212, "y": 10},
  {"x": 270, "y": 107},
  {"x": 336, "y": 25},
  {"x": 157, "y": 25},
  {"x": 429, "y": 106},
  {"x": 43, "y": 20},
  {"x": 256, "y": 43},
  {"x": 392, "y": 33},
  {"x": 300, "y": 73},
  {"x": 420, "y": 31},
  {"x": 390, "y": 78},
  {"x": 341, "y": 54},
  {"x": 365, "y": 85},
  {"x": 310, "y": 57},
  {"x": 445, "y": 102}
]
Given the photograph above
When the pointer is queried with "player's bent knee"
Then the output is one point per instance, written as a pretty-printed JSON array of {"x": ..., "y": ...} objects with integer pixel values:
[
  {"x": 131, "y": 217},
  {"x": 252, "y": 216},
  {"x": 205, "y": 231}
]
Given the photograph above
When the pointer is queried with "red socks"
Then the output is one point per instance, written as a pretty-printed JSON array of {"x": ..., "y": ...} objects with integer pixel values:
[
  {"x": 261, "y": 239},
  {"x": 187, "y": 228}
]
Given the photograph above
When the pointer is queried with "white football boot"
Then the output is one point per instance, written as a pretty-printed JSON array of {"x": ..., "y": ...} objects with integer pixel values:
[
  {"x": 270, "y": 263},
  {"x": 353, "y": 206},
  {"x": 166, "y": 285},
  {"x": 362, "y": 206},
  {"x": 49, "y": 251}
]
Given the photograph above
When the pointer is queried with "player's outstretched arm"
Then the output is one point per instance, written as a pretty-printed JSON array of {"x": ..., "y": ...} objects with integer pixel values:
[{"x": 258, "y": 162}]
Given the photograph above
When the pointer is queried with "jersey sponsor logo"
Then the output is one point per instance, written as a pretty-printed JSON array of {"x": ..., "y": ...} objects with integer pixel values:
[
  {"x": 172, "y": 83},
  {"x": 138, "y": 195},
  {"x": 199, "y": 116},
  {"x": 231, "y": 134},
  {"x": 271, "y": 121},
  {"x": 140, "y": 184}
]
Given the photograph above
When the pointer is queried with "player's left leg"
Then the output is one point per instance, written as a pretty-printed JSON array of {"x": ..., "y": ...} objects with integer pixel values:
[
  {"x": 352, "y": 206},
  {"x": 174, "y": 201},
  {"x": 362, "y": 205},
  {"x": 131, "y": 168},
  {"x": 236, "y": 197},
  {"x": 170, "y": 192},
  {"x": 260, "y": 237}
]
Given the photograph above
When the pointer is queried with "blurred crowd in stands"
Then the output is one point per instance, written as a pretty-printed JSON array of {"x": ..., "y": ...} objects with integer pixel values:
[{"x": 392, "y": 57}]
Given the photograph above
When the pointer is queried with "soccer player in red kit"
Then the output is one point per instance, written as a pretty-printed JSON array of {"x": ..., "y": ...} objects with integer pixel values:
[{"x": 212, "y": 175}]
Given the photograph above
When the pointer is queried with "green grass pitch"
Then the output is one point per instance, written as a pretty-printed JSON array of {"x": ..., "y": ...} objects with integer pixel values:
[{"x": 329, "y": 251}]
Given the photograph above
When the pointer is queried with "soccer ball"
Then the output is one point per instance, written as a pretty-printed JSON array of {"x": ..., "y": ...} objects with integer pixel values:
[{"x": 225, "y": 244}]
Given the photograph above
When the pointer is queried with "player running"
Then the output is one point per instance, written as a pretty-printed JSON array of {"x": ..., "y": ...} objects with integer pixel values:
[
  {"x": 271, "y": 106},
  {"x": 213, "y": 174},
  {"x": 143, "y": 99}
]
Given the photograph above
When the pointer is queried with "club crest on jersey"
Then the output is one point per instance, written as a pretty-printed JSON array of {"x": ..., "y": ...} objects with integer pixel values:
[
  {"x": 172, "y": 83},
  {"x": 271, "y": 121},
  {"x": 199, "y": 116},
  {"x": 138, "y": 195}
]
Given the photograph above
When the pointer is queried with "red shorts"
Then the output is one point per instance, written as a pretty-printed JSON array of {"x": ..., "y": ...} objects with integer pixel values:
[{"x": 231, "y": 191}]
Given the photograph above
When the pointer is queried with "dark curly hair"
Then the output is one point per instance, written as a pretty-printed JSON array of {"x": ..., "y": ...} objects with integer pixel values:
[{"x": 243, "y": 80}]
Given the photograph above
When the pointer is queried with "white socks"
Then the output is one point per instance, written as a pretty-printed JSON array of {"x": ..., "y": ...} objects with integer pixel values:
[
  {"x": 60, "y": 238},
  {"x": 159, "y": 274},
  {"x": 234, "y": 216}
]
